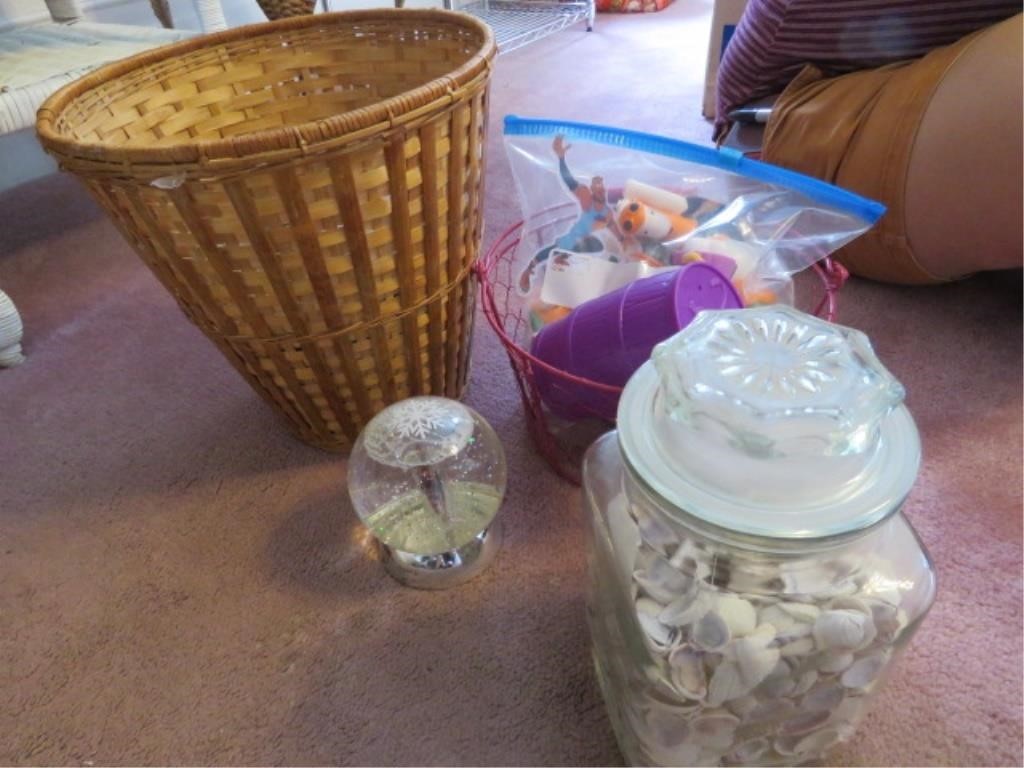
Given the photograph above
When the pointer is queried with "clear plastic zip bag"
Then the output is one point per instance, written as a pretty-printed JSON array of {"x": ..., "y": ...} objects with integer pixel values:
[{"x": 603, "y": 207}]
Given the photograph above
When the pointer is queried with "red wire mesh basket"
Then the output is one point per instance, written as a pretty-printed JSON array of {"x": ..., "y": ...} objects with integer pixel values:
[{"x": 561, "y": 442}]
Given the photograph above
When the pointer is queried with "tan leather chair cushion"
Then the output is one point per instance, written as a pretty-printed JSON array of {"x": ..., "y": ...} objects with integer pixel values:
[{"x": 937, "y": 140}]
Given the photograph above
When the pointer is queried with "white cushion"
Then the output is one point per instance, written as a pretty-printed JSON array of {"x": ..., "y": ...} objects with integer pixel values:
[{"x": 36, "y": 61}]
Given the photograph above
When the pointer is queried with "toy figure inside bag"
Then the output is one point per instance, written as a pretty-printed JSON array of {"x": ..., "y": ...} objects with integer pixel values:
[{"x": 604, "y": 207}]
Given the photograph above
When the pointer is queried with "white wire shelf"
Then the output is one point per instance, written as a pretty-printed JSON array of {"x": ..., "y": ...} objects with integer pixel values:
[{"x": 519, "y": 22}]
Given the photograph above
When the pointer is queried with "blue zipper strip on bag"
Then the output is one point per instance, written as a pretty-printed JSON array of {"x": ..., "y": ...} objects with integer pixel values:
[{"x": 725, "y": 159}]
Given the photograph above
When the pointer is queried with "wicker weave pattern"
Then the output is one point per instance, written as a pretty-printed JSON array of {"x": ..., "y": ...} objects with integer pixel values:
[
  {"x": 325, "y": 250},
  {"x": 283, "y": 9}
]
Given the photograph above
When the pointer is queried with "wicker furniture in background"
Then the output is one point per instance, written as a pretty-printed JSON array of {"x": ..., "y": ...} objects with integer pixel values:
[
  {"x": 284, "y": 9},
  {"x": 10, "y": 333},
  {"x": 37, "y": 59},
  {"x": 309, "y": 190}
]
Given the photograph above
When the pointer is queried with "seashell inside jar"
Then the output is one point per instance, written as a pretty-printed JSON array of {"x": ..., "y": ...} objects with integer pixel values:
[{"x": 745, "y": 613}]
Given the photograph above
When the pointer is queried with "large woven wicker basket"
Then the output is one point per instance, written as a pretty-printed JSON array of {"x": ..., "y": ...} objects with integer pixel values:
[{"x": 309, "y": 190}]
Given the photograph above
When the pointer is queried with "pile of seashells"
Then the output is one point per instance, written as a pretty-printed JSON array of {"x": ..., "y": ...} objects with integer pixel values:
[{"x": 763, "y": 663}]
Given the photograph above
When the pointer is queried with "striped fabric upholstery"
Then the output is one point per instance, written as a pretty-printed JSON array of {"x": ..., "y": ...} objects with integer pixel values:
[{"x": 775, "y": 39}]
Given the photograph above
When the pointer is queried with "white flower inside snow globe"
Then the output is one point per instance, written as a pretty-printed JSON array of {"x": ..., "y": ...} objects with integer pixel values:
[{"x": 426, "y": 477}]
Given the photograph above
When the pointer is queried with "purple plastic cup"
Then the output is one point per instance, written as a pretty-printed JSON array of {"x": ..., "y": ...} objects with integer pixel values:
[
  {"x": 566, "y": 398},
  {"x": 606, "y": 339}
]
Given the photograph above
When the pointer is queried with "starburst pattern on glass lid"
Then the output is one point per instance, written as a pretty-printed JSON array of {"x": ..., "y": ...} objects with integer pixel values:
[
  {"x": 774, "y": 357},
  {"x": 749, "y": 367}
]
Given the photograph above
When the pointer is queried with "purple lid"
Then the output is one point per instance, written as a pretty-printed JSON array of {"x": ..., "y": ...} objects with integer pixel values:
[
  {"x": 606, "y": 339},
  {"x": 658, "y": 307}
]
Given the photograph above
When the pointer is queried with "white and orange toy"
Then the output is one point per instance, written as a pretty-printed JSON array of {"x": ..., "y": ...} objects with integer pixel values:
[{"x": 649, "y": 212}]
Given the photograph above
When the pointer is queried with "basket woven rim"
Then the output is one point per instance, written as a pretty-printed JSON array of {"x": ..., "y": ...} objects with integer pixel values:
[{"x": 282, "y": 142}]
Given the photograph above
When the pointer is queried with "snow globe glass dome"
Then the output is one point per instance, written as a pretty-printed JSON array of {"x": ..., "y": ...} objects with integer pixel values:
[{"x": 427, "y": 476}]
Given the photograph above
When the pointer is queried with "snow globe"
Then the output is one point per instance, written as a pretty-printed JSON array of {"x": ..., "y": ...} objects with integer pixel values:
[{"x": 426, "y": 477}]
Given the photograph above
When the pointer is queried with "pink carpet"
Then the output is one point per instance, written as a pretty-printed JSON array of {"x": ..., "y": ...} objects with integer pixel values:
[{"x": 182, "y": 582}]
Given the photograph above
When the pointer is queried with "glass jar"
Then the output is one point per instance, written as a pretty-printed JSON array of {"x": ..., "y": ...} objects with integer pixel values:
[{"x": 751, "y": 575}]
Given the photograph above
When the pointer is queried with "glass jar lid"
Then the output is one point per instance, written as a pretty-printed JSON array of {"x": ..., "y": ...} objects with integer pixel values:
[{"x": 771, "y": 422}]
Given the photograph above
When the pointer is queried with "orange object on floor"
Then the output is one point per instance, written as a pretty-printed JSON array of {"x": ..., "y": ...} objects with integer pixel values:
[{"x": 631, "y": 6}]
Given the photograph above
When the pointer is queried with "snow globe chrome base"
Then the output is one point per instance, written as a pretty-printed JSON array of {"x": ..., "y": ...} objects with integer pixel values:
[{"x": 444, "y": 570}]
